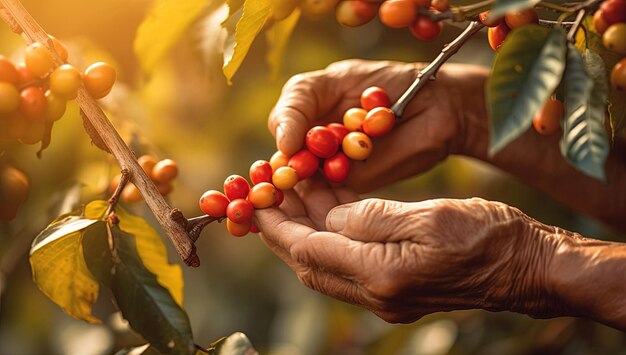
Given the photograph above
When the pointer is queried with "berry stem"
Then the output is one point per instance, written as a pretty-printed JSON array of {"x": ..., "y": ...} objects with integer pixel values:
[
  {"x": 18, "y": 18},
  {"x": 429, "y": 72}
]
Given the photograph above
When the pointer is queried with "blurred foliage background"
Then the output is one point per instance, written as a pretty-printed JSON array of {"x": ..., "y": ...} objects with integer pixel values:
[{"x": 186, "y": 112}]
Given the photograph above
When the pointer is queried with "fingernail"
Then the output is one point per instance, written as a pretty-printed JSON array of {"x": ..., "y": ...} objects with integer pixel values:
[
  {"x": 280, "y": 134},
  {"x": 337, "y": 219}
]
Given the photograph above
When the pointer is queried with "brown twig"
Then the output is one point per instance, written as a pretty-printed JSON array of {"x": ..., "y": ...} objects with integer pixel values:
[
  {"x": 14, "y": 13},
  {"x": 114, "y": 199}
]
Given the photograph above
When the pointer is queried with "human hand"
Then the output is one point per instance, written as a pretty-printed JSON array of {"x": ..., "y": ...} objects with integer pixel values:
[
  {"x": 431, "y": 128},
  {"x": 405, "y": 260}
]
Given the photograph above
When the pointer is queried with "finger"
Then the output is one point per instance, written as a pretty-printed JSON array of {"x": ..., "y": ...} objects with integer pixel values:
[
  {"x": 317, "y": 198},
  {"x": 304, "y": 98},
  {"x": 280, "y": 229},
  {"x": 330, "y": 252},
  {"x": 334, "y": 286},
  {"x": 372, "y": 220},
  {"x": 345, "y": 195},
  {"x": 292, "y": 205}
]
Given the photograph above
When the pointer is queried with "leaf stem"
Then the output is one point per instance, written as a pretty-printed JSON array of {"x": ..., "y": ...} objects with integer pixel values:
[
  {"x": 115, "y": 198},
  {"x": 429, "y": 72},
  {"x": 18, "y": 18}
]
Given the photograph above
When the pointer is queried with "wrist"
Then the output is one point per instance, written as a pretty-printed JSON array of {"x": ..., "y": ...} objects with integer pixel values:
[{"x": 587, "y": 277}]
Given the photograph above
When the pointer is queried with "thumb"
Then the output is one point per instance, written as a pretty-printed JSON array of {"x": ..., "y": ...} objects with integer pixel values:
[{"x": 372, "y": 220}]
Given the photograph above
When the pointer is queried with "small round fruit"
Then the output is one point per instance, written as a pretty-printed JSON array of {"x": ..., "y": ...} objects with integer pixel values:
[
  {"x": 379, "y": 122},
  {"x": 497, "y": 35},
  {"x": 425, "y": 29},
  {"x": 373, "y": 97},
  {"x": 321, "y": 141},
  {"x": 548, "y": 120},
  {"x": 354, "y": 13},
  {"x": 55, "y": 106},
  {"x": 489, "y": 22},
  {"x": 33, "y": 102},
  {"x": 618, "y": 76},
  {"x": 397, "y": 13},
  {"x": 33, "y": 133},
  {"x": 599, "y": 23},
  {"x": 240, "y": 211},
  {"x": 164, "y": 171},
  {"x": 279, "y": 159},
  {"x": 338, "y": 130},
  {"x": 236, "y": 187},
  {"x": 213, "y": 203},
  {"x": 353, "y": 119},
  {"x": 613, "y": 11},
  {"x": 440, "y": 5},
  {"x": 315, "y": 9},
  {"x": 254, "y": 228},
  {"x": 25, "y": 77},
  {"x": 281, "y": 9},
  {"x": 14, "y": 185},
  {"x": 9, "y": 98},
  {"x": 280, "y": 197},
  {"x": 65, "y": 81},
  {"x": 99, "y": 79},
  {"x": 8, "y": 72},
  {"x": 304, "y": 163},
  {"x": 517, "y": 19},
  {"x": 147, "y": 163},
  {"x": 337, "y": 168},
  {"x": 285, "y": 178},
  {"x": 614, "y": 38},
  {"x": 59, "y": 48},
  {"x": 262, "y": 195},
  {"x": 260, "y": 171},
  {"x": 237, "y": 229},
  {"x": 38, "y": 60},
  {"x": 131, "y": 193},
  {"x": 357, "y": 146}
]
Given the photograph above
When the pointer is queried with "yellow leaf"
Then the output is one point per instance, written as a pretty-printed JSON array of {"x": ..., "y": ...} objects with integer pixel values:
[
  {"x": 277, "y": 37},
  {"x": 254, "y": 15},
  {"x": 60, "y": 272},
  {"x": 162, "y": 27},
  {"x": 153, "y": 253}
]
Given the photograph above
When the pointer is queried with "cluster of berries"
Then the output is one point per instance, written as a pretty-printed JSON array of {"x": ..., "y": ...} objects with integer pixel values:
[
  {"x": 327, "y": 148},
  {"x": 34, "y": 94},
  {"x": 610, "y": 22},
  {"x": 394, "y": 14},
  {"x": 14, "y": 186},
  {"x": 162, "y": 173},
  {"x": 500, "y": 27}
]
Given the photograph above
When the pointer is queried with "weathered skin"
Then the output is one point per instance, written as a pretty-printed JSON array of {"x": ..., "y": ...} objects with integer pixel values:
[{"x": 405, "y": 260}]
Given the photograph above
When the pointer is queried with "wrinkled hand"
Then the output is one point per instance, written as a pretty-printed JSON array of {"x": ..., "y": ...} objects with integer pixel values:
[
  {"x": 405, "y": 260},
  {"x": 429, "y": 131}
]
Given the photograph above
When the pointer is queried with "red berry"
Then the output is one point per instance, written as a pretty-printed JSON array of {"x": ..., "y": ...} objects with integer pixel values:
[
  {"x": 322, "y": 142},
  {"x": 497, "y": 35},
  {"x": 613, "y": 11},
  {"x": 214, "y": 203},
  {"x": 262, "y": 195},
  {"x": 164, "y": 171},
  {"x": 397, "y": 13},
  {"x": 337, "y": 168},
  {"x": 599, "y": 23},
  {"x": 240, "y": 211},
  {"x": 304, "y": 163},
  {"x": 378, "y": 122},
  {"x": 517, "y": 19},
  {"x": 254, "y": 228},
  {"x": 237, "y": 229},
  {"x": 260, "y": 171},
  {"x": 33, "y": 102},
  {"x": 235, "y": 186},
  {"x": 8, "y": 72},
  {"x": 548, "y": 120},
  {"x": 374, "y": 97},
  {"x": 280, "y": 197},
  {"x": 354, "y": 13},
  {"x": 425, "y": 29},
  {"x": 338, "y": 130}
]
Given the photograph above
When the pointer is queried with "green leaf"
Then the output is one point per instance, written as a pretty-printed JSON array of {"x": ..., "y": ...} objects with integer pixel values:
[
  {"x": 501, "y": 7},
  {"x": 277, "y": 38},
  {"x": 59, "y": 269},
  {"x": 525, "y": 73},
  {"x": 148, "y": 306},
  {"x": 253, "y": 16},
  {"x": 584, "y": 142},
  {"x": 163, "y": 26}
]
